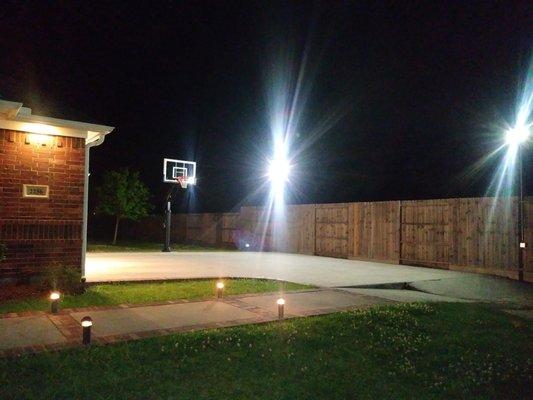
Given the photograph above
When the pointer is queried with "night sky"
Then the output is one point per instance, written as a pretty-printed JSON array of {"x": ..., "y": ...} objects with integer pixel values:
[{"x": 396, "y": 100}]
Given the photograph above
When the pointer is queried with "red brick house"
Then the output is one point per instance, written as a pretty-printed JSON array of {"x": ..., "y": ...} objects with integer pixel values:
[{"x": 44, "y": 170}]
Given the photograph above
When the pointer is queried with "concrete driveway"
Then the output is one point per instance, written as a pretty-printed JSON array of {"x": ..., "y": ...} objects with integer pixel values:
[{"x": 319, "y": 271}]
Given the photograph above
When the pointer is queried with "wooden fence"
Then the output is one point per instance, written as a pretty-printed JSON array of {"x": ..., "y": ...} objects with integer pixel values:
[{"x": 473, "y": 234}]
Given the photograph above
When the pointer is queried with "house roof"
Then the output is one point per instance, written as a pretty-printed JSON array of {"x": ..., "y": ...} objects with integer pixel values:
[{"x": 16, "y": 117}]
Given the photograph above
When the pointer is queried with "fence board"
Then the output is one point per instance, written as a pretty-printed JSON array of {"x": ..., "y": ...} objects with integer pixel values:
[
  {"x": 229, "y": 229},
  {"x": 332, "y": 226},
  {"x": 426, "y": 232},
  {"x": 376, "y": 231},
  {"x": 485, "y": 236}
]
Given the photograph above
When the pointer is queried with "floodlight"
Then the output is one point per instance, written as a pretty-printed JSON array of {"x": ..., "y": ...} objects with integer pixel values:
[
  {"x": 220, "y": 285},
  {"x": 279, "y": 169},
  {"x": 517, "y": 135},
  {"x": 54, "y": 296}
]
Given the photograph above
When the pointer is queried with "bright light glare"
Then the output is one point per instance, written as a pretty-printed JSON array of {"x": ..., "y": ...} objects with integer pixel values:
[
  {"x": 278, "y": 170},
  {"x": 281, "y": 302},
  {"x": 54, "y": 296},
  {"x": 517, "y": 135},
  {"x": 220, "y": 285}
]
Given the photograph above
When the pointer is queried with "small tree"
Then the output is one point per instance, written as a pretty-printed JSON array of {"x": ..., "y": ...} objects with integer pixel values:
[{"x": 124, "y": 196}]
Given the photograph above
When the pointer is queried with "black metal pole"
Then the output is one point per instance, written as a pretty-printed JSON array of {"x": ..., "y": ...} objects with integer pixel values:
[
  {"x": 521, "y": 243},
  {"x": 168, "y": 219}
]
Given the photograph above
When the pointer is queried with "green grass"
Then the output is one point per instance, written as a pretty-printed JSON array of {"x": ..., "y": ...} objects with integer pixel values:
[
  {"x": 139, "y": 293},
  {"x": 409, "y": 351},
  {"x": 97, "y": 247}
]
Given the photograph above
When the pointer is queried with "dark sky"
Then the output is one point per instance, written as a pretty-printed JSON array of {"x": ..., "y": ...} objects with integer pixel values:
[{"x": 397, "y": 100}]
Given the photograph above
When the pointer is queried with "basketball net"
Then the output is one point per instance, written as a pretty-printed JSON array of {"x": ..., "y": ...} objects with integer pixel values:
[{"x": 182, "y": 180}]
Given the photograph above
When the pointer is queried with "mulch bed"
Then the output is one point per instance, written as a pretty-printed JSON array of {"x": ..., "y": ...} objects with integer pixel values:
[{"x": 20, "y": 291}]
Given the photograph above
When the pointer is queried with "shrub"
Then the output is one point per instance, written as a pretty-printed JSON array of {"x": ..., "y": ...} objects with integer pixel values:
[{"x": 62, "y": 277}]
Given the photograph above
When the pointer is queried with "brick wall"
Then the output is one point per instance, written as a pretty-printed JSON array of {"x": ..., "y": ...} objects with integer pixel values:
[{"x": 40, "y": 231}]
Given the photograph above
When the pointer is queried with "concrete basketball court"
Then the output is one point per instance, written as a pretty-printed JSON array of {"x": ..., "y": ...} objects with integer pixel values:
[
  {"x": 314, "y": 270},
  {"x": 440, "y": 285}
]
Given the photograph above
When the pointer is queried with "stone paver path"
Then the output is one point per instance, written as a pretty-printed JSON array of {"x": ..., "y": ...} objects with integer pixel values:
[
  {"x": 37, "y": 331},
  {"x": 28, "y": 331},
  {"x": 152, "y": 318}
]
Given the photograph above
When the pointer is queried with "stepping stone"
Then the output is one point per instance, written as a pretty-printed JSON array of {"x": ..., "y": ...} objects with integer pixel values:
[
  {"x": 28, "y": 331},
  {"x": 306, "y": 302},
  {"x": 150, "y": 318}
]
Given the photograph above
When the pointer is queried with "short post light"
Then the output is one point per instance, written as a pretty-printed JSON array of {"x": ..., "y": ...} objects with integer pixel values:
[
  {"x": 281, "y": 307},
  {"x": 54, "y": 302},
  {"x": 86, "y": 323},
  {"x": 220, "y": 289}
]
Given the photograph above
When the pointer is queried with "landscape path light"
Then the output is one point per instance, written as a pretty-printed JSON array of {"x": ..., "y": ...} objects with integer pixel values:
[
  {"x": 220, "y": 289},
  {"x": 54, "y": 302},
  {"x": 86, "y": 323},
  {"x": 281, "y": 307}
]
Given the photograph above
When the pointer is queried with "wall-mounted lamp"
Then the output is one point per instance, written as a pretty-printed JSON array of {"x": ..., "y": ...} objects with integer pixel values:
[{"x": 39, "y": 139}]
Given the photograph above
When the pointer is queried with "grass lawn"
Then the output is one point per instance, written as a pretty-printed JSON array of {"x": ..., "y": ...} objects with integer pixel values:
[
  {"x": 147, "y": 246},
  {"x": 409, "y": 351},
  {"x": 138, "y": 293}
]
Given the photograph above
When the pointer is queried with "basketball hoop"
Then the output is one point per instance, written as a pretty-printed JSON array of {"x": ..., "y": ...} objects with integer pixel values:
[{"x": 182, "y": 180}]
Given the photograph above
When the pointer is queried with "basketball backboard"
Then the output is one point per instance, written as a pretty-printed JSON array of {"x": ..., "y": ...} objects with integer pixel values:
[{"x": 179, "y": 171}]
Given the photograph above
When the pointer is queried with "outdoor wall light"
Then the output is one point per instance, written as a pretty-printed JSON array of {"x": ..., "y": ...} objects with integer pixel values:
[
  {"x": 54, "y": 302},
  {"x": 281, "y": 306},
  {"x": 220, "y": 288},
  {"x": 86, "y": 323},
  {"x": 38, "y": 139}
]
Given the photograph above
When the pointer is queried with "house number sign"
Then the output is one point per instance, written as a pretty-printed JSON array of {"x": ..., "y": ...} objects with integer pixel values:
[{"x": 38, "y": 191}]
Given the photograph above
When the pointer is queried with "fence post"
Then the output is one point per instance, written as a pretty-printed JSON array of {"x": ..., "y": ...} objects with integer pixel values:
[
  {"x": 218, "y": 227},
  {"x": 399, "y": 232}
]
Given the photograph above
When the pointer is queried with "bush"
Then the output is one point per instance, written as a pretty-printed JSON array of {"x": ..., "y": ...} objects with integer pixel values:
[
  {"x": 2, "y": 251},
  {"x": 65, "y": 278}
]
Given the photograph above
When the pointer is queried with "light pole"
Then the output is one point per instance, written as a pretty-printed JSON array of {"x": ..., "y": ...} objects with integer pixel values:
[
  {"x": 168, "y": 221},
  {"x": 515, "y": 138}
]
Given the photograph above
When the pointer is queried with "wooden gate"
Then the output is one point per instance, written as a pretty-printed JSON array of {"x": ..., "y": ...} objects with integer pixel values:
[
  {"x": 425, "y": 235},
  {"x": 332, "y": 230}
]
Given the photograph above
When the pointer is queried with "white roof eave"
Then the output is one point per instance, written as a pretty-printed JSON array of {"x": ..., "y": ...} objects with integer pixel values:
[{"x": 15, "y": 117}]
